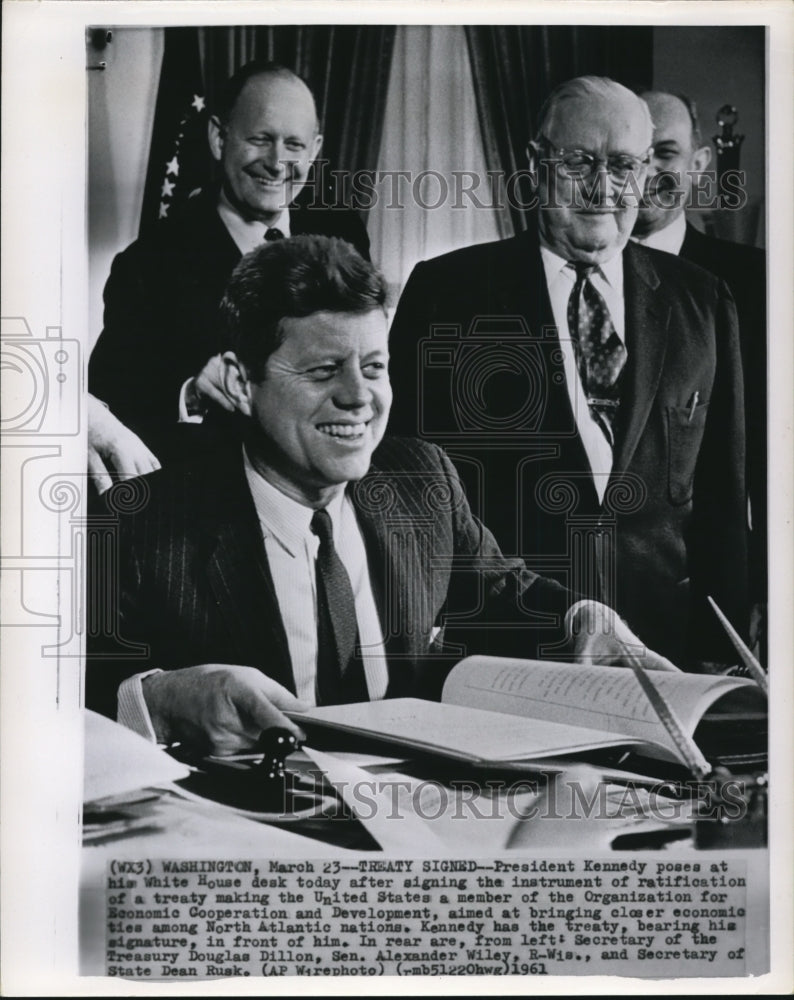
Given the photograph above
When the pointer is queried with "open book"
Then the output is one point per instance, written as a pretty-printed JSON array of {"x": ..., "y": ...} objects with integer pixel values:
[{"x": 497, "y": 711}]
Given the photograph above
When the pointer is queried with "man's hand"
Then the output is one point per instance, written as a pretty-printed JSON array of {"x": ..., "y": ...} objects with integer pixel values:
[
  {"x": 113, "y": 448},
  {"x": 599, "y": 636},
  {"x": 218, "y": 708},
  {"x": 207, "y": 387}
]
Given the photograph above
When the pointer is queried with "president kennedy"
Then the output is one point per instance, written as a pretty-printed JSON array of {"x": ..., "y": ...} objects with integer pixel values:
[{"x": 314, "y": 562}]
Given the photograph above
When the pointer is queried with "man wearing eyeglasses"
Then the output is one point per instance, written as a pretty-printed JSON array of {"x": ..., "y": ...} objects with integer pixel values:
[{"x": 588, "y": 389}]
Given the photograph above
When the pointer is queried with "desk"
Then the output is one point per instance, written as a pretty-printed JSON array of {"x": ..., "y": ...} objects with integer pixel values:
[
  {"x": 176, "y": 828},
  {"x": 172, "y": 828}
]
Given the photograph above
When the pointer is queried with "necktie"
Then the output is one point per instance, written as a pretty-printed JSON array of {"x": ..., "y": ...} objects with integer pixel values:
[
  {"x": 600, "y": 355},
  {"x": 340, "y": 672},
  {"x": 271, "y": 235}
]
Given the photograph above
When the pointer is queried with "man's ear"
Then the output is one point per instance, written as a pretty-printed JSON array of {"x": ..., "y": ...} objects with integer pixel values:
[
  {"x": 236, "y": 384},
  {"x": 317, "y": 145},
  {"x": 532, "y": 155},
  {"x": 701, "y": 158},
  {"x": 216, "y": 134}
]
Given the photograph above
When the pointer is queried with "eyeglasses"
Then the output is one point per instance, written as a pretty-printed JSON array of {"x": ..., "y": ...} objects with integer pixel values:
[{"x": 578, "y": 164}]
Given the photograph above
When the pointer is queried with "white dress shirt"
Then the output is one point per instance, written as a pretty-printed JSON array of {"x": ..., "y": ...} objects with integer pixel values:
[
  {"x": 291, "y": 549},
  {"x": 670, "y": 239},
  {"x": 608, "y": 280},
  {"x": 248, "y": 235}
]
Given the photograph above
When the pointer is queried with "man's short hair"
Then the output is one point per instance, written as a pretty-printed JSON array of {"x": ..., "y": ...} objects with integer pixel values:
[
  {"x": 691, "y": 109},
  {"x": 256, "y": 67},
  {"x": 293, "y": 277},
  {"x": 585, "y": 86}
]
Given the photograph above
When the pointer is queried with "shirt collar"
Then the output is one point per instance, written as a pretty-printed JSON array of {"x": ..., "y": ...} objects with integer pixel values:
[
  {"x": 248, "y": 235},
  {"x": 607, "y": 278},
  {"x": 281, "y": 517},
  {"x": 611, "y": 270},
  {"x": 670, "y": 239}
]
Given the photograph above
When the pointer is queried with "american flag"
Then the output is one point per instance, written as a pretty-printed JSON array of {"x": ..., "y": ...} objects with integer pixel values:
[{"x": 179, "y": 159}]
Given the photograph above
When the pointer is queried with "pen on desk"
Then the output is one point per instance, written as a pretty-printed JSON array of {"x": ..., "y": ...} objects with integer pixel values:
[
  {"x": 693, "y": 405},
  {"x": 753, "y": 666},
  {"x": 686, "y": 746}
]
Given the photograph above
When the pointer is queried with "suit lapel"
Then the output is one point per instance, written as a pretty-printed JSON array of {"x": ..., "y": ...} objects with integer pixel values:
[
  {"x": 695, "y": 248},
  {"x": 392, "y": 571},
  {"x": 520, "y": 283},
  {"x": 533, "y": 295},
  {"x": 210, "y": 241},
  {"x": 386, "y": 573},
  {"x": 647, "y": 321},
  {"x": 240, "y": 578}
]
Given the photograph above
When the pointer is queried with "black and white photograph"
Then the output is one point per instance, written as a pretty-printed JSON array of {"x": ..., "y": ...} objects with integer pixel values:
[{"x": 397, "y": 498}]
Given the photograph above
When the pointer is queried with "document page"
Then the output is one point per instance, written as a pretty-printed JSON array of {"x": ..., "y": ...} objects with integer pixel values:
[
  {"x": 466, "y": 733},
  {"x": 603, "y": 698}
]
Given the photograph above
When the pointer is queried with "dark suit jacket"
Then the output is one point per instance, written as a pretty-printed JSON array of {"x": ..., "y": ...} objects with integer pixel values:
[
  {"x": 161, "y": 318},
  {"x": 187, "y": 581},
  {"x": 476, "y": 368},
  {"x": 743, "y": 269}
]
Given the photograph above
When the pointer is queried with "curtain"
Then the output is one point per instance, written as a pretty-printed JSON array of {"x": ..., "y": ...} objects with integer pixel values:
[
  {"x": 515, "y": 68},
  {"x": 346, "y": 66},
  {"x": 430, "y": 131}
]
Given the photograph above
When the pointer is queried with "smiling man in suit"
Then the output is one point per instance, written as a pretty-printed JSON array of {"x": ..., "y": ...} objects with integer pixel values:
[
  {"x": 590, "y": 390},
  {"x": 156, "y": 365},
  {"x": 316, "y": 561}
]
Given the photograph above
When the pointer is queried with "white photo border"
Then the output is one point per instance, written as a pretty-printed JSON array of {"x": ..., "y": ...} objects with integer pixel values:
[{"x": 44, "y": 280}]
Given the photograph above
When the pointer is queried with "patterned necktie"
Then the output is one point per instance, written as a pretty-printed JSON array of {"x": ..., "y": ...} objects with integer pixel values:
[
  {"x": 340, "y": 672},
  {"x": 600, "y": 354},
  {"x": 271, "y": 235}
]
